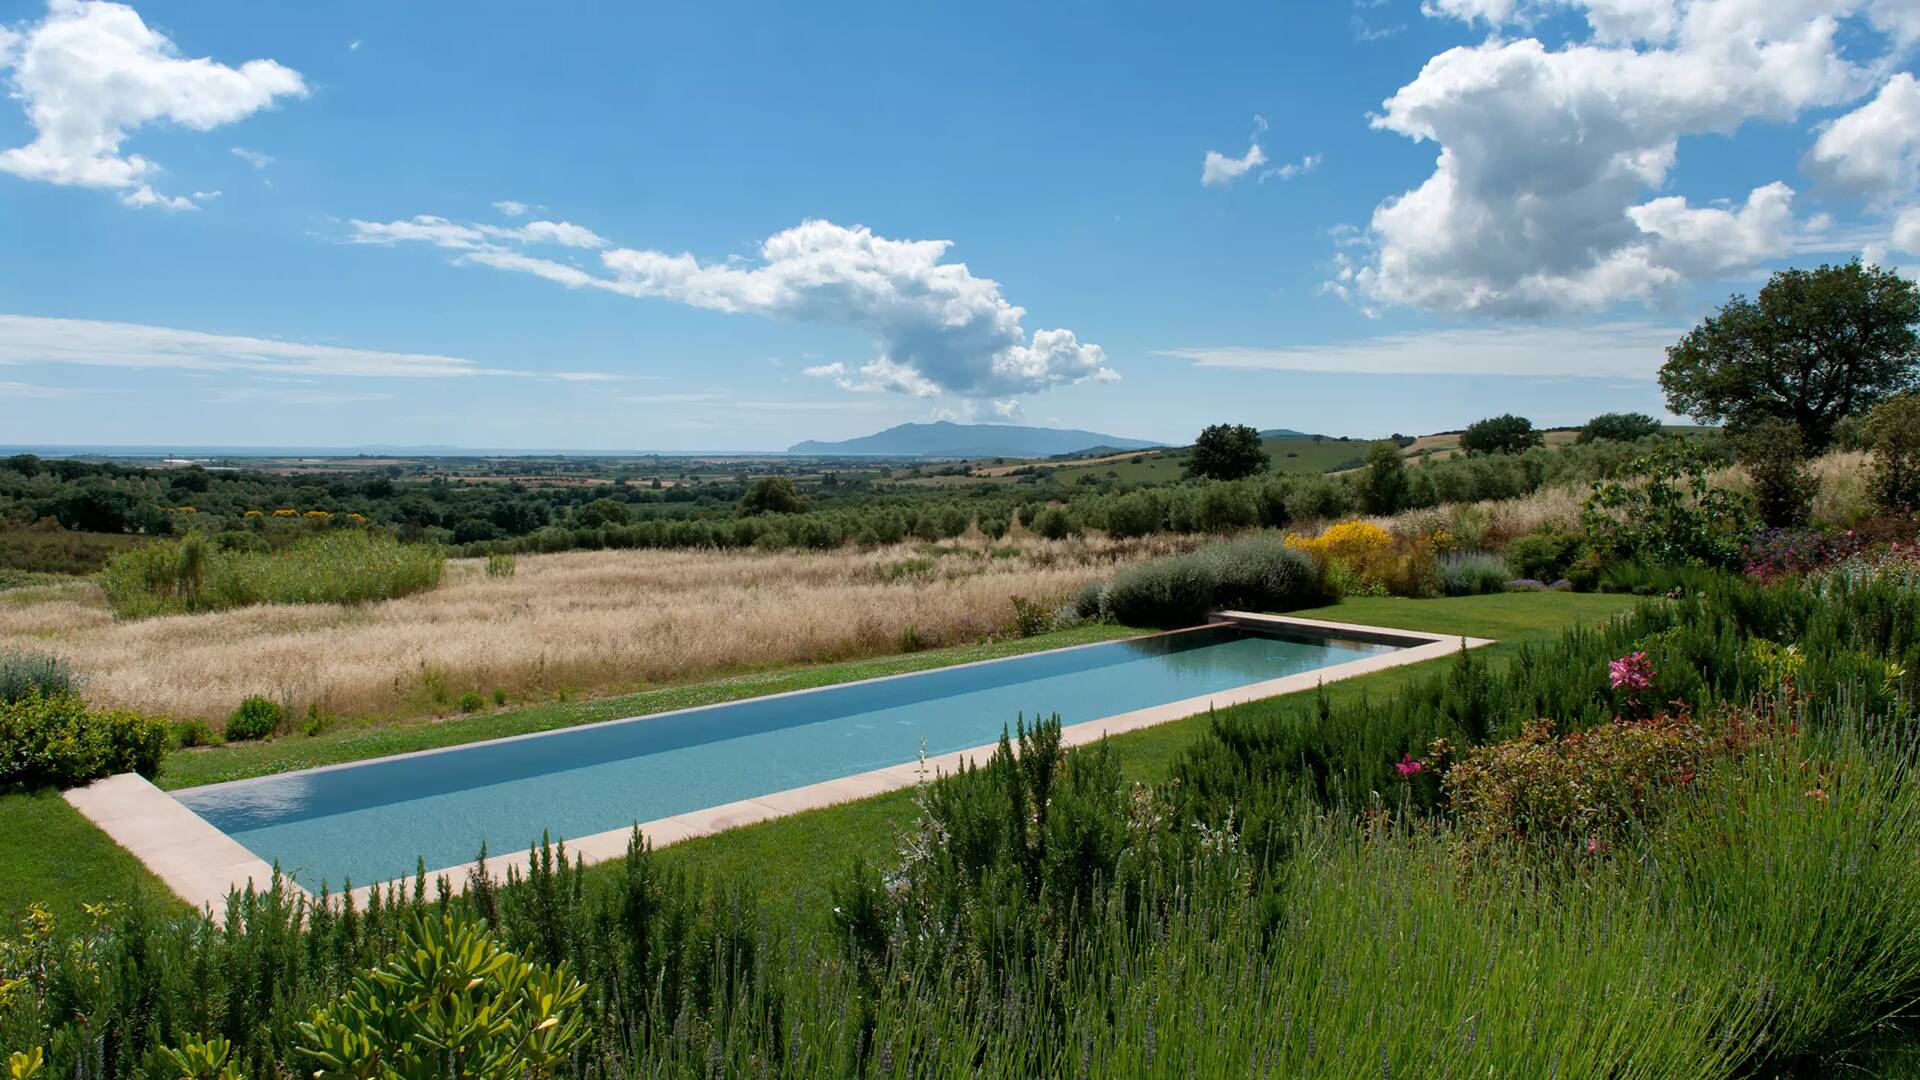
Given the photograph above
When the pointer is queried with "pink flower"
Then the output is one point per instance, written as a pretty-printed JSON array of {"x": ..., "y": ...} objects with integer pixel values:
[
  {"x": 1631, "y": 672},
  {"x": 1408, "y": 766}
]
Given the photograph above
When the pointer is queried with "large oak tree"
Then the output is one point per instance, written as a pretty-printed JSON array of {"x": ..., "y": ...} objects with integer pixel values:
[
  {"x": 1228, "y": 452},
  {"x": 1815, "y": 346}
]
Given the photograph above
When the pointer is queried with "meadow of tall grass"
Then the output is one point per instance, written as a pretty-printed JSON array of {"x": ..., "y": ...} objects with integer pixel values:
[{"x": 576, "y": 621}]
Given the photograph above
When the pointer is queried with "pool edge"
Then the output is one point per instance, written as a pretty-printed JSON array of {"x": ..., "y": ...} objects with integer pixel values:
[{"x": 173, "y": 841}]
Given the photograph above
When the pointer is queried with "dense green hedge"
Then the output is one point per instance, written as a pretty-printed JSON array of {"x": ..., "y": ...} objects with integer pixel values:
[{"x": 57, "y": 740}]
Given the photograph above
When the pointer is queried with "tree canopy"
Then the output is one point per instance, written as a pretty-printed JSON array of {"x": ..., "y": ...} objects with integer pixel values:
[
  {"x": 1619, "y": 427},
  {"x": 1814, "y": 346},
  {"x": 1228, "y": 452},
  {"x": 1504, "y": 434}
]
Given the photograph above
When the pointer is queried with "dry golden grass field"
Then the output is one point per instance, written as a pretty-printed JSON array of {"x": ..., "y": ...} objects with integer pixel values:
[{"x": 582, "y": 621}]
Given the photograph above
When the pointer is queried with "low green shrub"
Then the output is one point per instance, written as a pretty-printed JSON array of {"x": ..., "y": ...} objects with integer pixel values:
[
  {"x": 1053, "y": 523},
  {"x": 256, "y": 718},
  {"x": 1258, "y": 573},
  {"x": 1089, "y": 602},
  {"x": 58, "y": 740},
  {"x": 1542, "y": 556},
  {"x": 450, "y": 1000},
  {"x": 472, "y": 702},
  {"x": 23, "y": 673},
  {"x": 1472, "y": 573},
  {"x": 191, "y": 733},
  {"x": 501, "y": 566}
]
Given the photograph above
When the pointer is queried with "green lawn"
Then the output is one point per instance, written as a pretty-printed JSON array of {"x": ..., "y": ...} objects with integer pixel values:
[
  {"x": 51, "y": 855},
  {"x": 63, "y": 860}
]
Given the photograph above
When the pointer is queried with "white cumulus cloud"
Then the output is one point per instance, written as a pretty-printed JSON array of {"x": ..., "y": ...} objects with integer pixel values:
[
  {"x": 1541, "y": 199},
  {"x": 940, "y": 329},
  {"x": 89, "y": 74},
  {"x": 1906, "y": 231},
  {"x": 1873, "y": 152}
]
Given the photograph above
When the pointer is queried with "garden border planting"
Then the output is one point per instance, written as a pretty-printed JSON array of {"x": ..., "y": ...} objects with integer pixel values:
[{"x": 174, "y": 842}]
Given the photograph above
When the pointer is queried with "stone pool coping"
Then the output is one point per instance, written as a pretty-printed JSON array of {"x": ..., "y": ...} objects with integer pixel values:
[{"x": 201, "y": 864}]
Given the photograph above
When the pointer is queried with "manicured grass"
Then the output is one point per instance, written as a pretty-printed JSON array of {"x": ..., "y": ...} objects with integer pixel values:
[
  {"x": 234, "y": 761},
  {"x": 51, "y": 855}
]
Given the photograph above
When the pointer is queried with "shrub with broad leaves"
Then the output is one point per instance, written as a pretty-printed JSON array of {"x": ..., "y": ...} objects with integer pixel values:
[{"x": 57, "y": 740}]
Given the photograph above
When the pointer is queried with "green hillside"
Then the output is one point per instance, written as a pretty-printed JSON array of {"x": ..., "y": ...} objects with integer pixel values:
[{"x": 1289, "y": 455}]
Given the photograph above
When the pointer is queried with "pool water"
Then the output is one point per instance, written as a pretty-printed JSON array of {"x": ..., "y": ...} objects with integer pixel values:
[{"x": 373, "y": 821}]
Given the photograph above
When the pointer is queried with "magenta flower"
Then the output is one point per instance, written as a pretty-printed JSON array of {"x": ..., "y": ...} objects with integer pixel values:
[
  {"x": 1632, "y": 672},
  {"x": 1408, "y": 766}
]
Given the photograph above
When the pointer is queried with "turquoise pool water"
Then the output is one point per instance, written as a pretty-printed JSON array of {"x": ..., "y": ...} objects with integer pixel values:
[{"x": 373, "y": 821}]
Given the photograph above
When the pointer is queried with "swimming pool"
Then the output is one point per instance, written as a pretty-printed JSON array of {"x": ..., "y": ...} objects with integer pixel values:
[{"x": 374, "y": 821}]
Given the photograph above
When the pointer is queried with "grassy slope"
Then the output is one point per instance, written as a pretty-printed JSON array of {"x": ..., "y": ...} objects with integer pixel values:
[
  {"x": 1167, "y": 466},
  {"x": 63, "y": 860}
]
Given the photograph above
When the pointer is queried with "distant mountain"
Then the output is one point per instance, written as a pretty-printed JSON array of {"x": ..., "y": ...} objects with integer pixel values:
[
  {"x": 1287, "y": 433},
  {"x": 947, "y": 439}
]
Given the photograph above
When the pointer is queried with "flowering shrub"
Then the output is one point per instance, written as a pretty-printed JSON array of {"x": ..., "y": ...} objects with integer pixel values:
[
  {"x": 1897, "y": 563},
  {"x": 1632, "y": 678},
  {"x": 1772, "y": 553},
  {"x": 1362, "y": 558},
  {"x": 1355, "y": 541},
  {"x": 1580, "y": 791}
]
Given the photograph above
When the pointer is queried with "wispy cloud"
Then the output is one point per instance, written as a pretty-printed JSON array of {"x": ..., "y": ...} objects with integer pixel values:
[
  {"x": 1616, "y": 350},
  {"x": 34, "y": 390},
  {"x": 32, "y": 339},
  {"x": 252, "y": 157},
  {"x": 246, "y": 395}
]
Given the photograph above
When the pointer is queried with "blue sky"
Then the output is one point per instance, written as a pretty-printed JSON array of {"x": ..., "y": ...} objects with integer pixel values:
[{"x": 712, "y": 226}]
